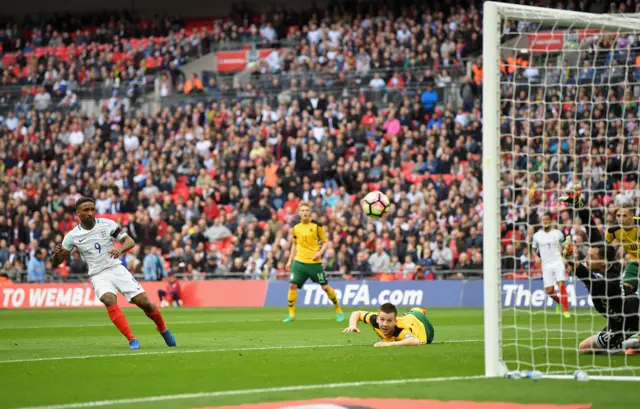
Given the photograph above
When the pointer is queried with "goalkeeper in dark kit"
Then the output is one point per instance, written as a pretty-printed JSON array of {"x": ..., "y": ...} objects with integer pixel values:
[{"x": 601, "y": 275}]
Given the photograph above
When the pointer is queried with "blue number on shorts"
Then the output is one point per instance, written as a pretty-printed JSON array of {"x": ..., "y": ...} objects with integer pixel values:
[{"x": 97, "y": 246}]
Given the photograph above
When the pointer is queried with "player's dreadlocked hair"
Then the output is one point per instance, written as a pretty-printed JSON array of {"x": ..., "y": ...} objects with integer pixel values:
[{"x": 83, "y": 200}]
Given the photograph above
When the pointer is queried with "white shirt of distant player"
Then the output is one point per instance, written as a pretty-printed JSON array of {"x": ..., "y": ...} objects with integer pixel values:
[
  {"x": 549, "y": 244},
  {"x": 94, "y": 244}
]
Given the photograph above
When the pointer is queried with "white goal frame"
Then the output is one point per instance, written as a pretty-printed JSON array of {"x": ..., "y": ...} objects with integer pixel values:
[{"x": 494, "y": 13}]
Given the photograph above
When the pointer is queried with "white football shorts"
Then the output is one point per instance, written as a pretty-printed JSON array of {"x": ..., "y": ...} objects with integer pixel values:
[
  {"x": 552, "y": 273},
  {"x": 116, "y": 279}
]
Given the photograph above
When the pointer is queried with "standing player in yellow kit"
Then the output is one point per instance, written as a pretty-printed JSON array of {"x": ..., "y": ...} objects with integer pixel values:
[
  {"x": 305, "y": 261},
  {"x": 627, "y": 233}
]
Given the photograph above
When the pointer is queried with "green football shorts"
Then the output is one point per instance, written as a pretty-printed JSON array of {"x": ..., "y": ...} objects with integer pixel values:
[
  {"x": 427, "y": 324},
  {"x": 301, "y": 272}
]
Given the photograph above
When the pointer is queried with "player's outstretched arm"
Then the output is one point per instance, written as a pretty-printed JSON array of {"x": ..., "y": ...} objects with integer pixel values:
[
  {"x": 412, "y": 341},
  {"x": 353, "y": 323},
  {"x": 60, "y": 254}
]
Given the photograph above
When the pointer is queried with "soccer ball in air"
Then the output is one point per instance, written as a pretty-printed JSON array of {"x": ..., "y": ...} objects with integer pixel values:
[{"x": 375, "y": 204}]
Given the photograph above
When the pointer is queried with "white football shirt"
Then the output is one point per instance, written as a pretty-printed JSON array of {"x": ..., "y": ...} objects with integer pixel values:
[
  {"x": 549, "y": 244},
  {"x": 94, "y": 244}
]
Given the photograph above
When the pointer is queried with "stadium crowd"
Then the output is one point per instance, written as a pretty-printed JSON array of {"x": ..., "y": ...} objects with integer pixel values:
[{"x": 208, "y": 187}]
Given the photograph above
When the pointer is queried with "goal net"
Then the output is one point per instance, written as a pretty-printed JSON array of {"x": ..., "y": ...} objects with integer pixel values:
[{"x": 561, "y": 96}]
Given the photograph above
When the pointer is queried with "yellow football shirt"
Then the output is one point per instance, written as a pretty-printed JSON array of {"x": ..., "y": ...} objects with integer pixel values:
[
  {"x": 629, "y": 238},
  {"x": 407, "y": 326},
  {"x": 309, "y": 237}
]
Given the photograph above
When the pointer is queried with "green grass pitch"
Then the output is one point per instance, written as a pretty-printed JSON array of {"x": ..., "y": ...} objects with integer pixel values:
[{"x": 54, "y": 358}]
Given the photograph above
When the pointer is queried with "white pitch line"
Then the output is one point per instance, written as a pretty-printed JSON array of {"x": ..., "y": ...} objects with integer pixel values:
[
  {"x": 203, "y": 351},
  {"x": 142, "y": 322},
  {"x": 172, "y": 351},
  {"x": 135, "y": 321},
  {"x": 234, "y": 392}
]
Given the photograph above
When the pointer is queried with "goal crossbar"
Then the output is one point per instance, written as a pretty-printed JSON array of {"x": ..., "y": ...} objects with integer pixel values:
[{"x": 575, "y": 19}]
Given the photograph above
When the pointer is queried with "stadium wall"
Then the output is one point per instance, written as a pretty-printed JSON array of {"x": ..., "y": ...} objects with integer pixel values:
[{"x": 240, "y": 293}]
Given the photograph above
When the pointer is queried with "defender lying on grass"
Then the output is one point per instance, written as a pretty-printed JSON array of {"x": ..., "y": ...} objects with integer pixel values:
[{"x": 413, "y": 328}]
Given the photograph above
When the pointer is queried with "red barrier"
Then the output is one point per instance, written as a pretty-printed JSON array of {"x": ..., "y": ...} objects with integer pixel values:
[
  {"x": 230, "y": 293},
  {"x": 543, "y": 41},
  {"x": 231, "y": 60},
  {"x": 238, "y": 60},
  {"x": 546, "y": 41}
]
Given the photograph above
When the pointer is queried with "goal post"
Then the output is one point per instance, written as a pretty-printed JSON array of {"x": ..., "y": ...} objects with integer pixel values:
[
  {"x": 494, "y": 365},
  {"x": 528, "y": 336}
]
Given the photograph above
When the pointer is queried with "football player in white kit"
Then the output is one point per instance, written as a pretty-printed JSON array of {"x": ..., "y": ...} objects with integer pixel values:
[
  {"x": 94, "y": 240},
  {"x": 549, "y": 243}
]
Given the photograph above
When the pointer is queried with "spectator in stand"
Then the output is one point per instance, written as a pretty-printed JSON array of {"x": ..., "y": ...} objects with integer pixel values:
[
  {"x": 461, "y": 265},
  {"x": 429, "y": 98},
  {"x": 363, "y": 267},
  {"x": 409, "y": 268},
  {"x": 193, "y": 85},
  {"x": 380, "y": 261},
  {"x": 377, "y": 83},
  {"x": 78, "y": 268},
  {"x": 153, "y": 265},
  {"x": 442, "y": 256},
  {"x": 173, "y": 292},
  {"x": 36, "y": 272}
]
